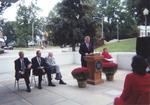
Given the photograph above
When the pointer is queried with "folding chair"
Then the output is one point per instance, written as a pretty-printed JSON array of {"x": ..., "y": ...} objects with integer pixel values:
[
  {"x": 35, "y": 77},
  {"x": 18, "y": 83}
]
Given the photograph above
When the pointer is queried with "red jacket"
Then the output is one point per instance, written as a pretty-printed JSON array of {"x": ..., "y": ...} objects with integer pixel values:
[
  {"x": 134, "y": 86},
  {"x": 106, "y": 55}
]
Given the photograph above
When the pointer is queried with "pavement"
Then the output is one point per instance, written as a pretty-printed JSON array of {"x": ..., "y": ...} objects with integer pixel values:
[{"x": 70, "y": 94}]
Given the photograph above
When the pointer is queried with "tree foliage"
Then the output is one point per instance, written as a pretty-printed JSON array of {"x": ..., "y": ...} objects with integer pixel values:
[
  {"x": 136, "y": 8},
  {"x": 8, "y": 30},
  {"x": 69, "y": 23},
  {"x": 26, "y": 17},
  {"x": 113, "y": 10},
  {"x": 71, "y": 20}
]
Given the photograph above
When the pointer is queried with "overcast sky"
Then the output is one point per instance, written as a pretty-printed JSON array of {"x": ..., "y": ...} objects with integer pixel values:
[{"x": 45, "y": 5}]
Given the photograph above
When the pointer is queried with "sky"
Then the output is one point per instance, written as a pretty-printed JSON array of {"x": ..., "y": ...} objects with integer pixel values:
[{"x": 46, "y": 5}]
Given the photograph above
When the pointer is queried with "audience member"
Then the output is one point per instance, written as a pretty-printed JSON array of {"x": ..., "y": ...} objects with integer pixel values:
[
  {"x": 53, "y": 68},
  {"x": 135, "y": 83},
  {"x": 85, "y": 49},
  {"x": 38, "y": 64},
  {"x": 22, "y": 69}
]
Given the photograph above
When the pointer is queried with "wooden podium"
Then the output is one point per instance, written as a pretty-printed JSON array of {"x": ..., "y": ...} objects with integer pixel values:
[{"x": 94, "y": 62}]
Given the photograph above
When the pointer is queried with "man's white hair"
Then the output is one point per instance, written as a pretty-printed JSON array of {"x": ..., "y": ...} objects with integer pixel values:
[{"x": 87, "y": 37}]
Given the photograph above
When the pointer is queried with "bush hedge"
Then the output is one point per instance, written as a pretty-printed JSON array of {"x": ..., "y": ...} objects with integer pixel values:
[{"x": 1, "y": 51}]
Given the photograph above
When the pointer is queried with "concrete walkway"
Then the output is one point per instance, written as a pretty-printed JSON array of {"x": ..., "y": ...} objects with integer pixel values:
[{"x": 70, "y": 94}]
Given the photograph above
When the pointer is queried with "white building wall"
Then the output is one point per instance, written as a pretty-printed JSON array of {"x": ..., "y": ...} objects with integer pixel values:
[
  {"x": 64, "y": 58},
  {"x": 123, "y": 59},
  {"x": 77, "y": 58},
  {"x": 142, "y": 31}
]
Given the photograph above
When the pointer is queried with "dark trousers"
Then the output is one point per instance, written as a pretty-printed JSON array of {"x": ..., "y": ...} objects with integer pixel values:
[
  {"x": 39, "y": 73},
  {"x": 25, "y": 76},
  {"x": 53, "y": 69},
  {"x": 83, "y": 62},
  {"x": 48, "y": 71}
]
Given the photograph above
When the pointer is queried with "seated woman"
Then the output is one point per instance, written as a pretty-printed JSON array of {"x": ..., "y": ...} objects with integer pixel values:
[
  {"x": 107, "y": 56},
  {"x": 135, "y": 83}
]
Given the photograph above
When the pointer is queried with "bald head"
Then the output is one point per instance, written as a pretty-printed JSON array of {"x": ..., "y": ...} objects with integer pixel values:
[{"x": 50, "y": 54}]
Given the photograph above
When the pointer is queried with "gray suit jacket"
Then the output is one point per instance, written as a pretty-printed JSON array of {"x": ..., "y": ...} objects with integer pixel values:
[{"x": 50, "y": 61}]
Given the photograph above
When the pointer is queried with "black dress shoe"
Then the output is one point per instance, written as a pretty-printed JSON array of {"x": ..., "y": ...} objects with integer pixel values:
[
  {"x": 28, "y": 89},
  {"x": 57, "y": 78},
  {"x": 39, "y": 86},
  {"x": 51, "y": 84},
  {"x": 62, "y": 82}
]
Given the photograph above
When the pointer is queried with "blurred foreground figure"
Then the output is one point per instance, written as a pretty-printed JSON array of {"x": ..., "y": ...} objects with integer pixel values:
[{"x": 137, "y": 85}]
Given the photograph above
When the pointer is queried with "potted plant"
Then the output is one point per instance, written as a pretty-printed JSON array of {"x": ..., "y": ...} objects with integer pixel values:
[
  {"x": 81, "y": 74},
  {"x": 109, "y": 69}
]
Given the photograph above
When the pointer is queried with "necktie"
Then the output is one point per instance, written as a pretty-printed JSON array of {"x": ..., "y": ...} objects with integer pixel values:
[
  {"x": 23, "y": 67},
  {"x": 88, "y": 47},
  {"x": 39, "y": 60}
]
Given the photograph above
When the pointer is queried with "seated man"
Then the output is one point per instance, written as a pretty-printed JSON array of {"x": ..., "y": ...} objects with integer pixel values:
[
  {"x": 107, "y": 56},
  {"x": 51, "y": 65},
  {"x": 148, "y": 63},
  {"x": 38, "y": 64},
  {"x": 22, "y": 69}
]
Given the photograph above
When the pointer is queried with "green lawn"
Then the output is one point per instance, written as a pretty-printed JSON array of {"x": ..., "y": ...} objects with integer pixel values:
[
  {"x": 128, "y": 45},
  {"x": 23, "y": 49},
  {"x": 31, "y": 48}
]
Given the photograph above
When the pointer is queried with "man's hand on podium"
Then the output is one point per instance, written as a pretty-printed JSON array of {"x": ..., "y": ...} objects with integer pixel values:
[
  {"x": 86, "y": 54},
  {"x": 91, "y": 53}
]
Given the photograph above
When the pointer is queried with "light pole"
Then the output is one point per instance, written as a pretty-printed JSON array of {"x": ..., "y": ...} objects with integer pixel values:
[
  {"x": 33, "y": 33},
  {"x": 117, "y": 30},
  {"x": 102, "y": 26},
  {"x": 145, "y": 13}
]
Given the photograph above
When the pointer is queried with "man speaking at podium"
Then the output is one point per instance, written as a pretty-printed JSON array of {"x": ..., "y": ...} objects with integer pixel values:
[{"x": 85, "y": 49}]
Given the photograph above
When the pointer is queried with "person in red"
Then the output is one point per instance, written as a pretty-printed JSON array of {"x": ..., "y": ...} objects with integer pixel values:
[
  {"x": 106, "y": 55},
  {"x": 135, "y": 83}
]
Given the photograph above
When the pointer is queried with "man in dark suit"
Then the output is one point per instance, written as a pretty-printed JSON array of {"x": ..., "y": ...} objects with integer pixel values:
[
  {"x": 38, "y": 64},
  {"x": 85, "y": 49},
  {"x": 22, "y": 69}
]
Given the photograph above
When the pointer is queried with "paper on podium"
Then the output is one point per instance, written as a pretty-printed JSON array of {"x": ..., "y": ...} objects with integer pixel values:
[{"x": 110, "y": 60}]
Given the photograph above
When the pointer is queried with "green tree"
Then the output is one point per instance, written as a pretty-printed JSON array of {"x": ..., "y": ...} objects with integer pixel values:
[
  {"x": 113, "y": 10},
  {"x": 26, "y": 17},
  {"x": 8, "y": 30},
  {"x": 1, "y": 24},
  {"x": 136, "y": 8},
  {"x": 39, "y": 27},
  {"x": 69, "y": 23}
]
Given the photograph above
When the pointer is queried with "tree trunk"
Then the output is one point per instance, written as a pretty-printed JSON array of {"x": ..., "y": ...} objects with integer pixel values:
[
  {"x": 73, "y": 47},
  {"x": 26, "y": 44}
]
